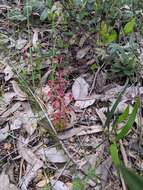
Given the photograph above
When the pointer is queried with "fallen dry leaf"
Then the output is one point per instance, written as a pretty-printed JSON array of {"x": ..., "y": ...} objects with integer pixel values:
[
  {"x": 80, "y": 93},
  {"x": 18, "y": 91},
  {"x": 21, "y": 118},
  {"x": 82, "y": 52},
  {"x": 101, "y": 115},
  {"x": 52, "y": 155},
  {"x": 28, "y": 119},
  {"x": 100, "y": 82},
  {"x": 4, "y": 133},
  {"x": 20, "y": 43},
  {"x": 80, "y": 131},
  {"x": 80, "y": 88},
  {"x": 16, "y": 124},
  {"x": 8, "y": 73},
  {"x": 42, "y": 183},
  {"x": 9, "y": 97},
  {"x": 35, "y": 38},
  {"x": 82, "y": 104},
  {"x": 33, "y": 165},
  {"x": 103, "y": 171},
  {"x": 58, "y": 185},
  {"x": 5, "y": 183}
]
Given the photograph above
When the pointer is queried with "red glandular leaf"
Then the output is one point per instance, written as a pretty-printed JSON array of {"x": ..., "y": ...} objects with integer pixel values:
[{"x": 56, "y": 104}]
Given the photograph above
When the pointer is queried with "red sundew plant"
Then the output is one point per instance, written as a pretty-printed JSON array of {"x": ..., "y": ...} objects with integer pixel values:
[{"x": 57, "y": 97}]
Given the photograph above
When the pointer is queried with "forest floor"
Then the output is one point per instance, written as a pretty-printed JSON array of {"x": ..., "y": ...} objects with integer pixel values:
[{"x": 70, "y": 94}]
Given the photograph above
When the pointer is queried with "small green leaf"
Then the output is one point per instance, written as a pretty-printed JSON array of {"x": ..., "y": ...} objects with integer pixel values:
[
  {"x": 128, "y": 28},
  {"x": 111, "y": 37},
  {"x": 93, "y": 67},
  {"x": 16, "y": 15},
  {"x": 114, "y": 154},
  {"x": 129, "y": 123},
  {"x": 123, "y": 116},
  {"x": 104, "y": 29},
  {"x": 133, "y": 181},
  {"x": 44, "y": 15}
]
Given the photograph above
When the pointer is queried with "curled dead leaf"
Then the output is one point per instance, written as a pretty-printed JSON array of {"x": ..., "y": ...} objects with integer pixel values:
[
  {"x": 80, "y": 88},
  {"x": 82, "y": 52},
  {"x": 52, "y": 154},
  {"x": 8, "y": 73},
  {"x": 42, "y": 183}
]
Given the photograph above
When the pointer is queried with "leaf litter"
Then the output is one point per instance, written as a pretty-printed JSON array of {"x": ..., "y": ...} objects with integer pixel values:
[{"x": 83, "y": 104}]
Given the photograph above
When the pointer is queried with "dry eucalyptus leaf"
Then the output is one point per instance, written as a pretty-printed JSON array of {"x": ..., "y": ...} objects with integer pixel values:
[
  {"x": 5, "y": 183},
  {"x": 2, "y": 120},
  {"x": 27, "y": 154},
  {"x": 16, "y": 124},
  {"x": 29, "y": 121},
  {"x": 52, "y": 155},
  {"x": 82, "y": 52},
  {"x": 11, "y": 110},
  {"x": 103, "y": 171},
  {"x": 42, "y": 183},
  {"x": 58, "y": 185},
  {"x": 4, "y": 133},
  {"x": 8, "y": 73},
  {"x": 80, "y": 93},
  {"x": 80, "y": 131},
  {"x": 31, "y": 173},
  {"x": 27, "y": 117},
  {"x": 100, "y": 82},
  {"x": 18, "y": 91},
  {"x": 9, "y": 97},
  {"x": 82, "y": 104},
  {"x": 80, "y": 88},
  {"x": 34, "y": 163},
  {"x": 20, "y": 43},
  {"x": 101, "y": 115},
  {"x": 90, "y": 130},
  {"x": 35, "y": 38},
  {"x": 112, "y": 94}
]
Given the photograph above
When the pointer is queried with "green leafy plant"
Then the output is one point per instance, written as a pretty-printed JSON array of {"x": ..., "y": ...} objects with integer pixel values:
[
  {"x": 107, "y": 34},
  {"x": 130, "y": 121},
  {"x": 79, "y": 184},
  {"x": 43, "y": 8},
  {"x": 128, "y": 28},
  {"x": 130, "y": 177},
  {"x": 131, "y": 118},
  {"x": 114, "y": 154},
  {"x": 124, "y": 60},
  {"x": 133, "y": 181},
  {"x": 16, "y": 15}
]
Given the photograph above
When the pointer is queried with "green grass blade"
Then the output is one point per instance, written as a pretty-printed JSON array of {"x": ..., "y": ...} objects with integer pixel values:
[
  {"x": 123, "y": 116},
  {"x": 133, "y": 181},
  {"x": 130, "y": 121},
  {"x": 114, "y": 154},
  {"x": 110, "y": 113}
]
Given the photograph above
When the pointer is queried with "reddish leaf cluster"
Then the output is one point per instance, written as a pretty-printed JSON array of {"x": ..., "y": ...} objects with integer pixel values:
[{"x": 57, "y": 96}]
